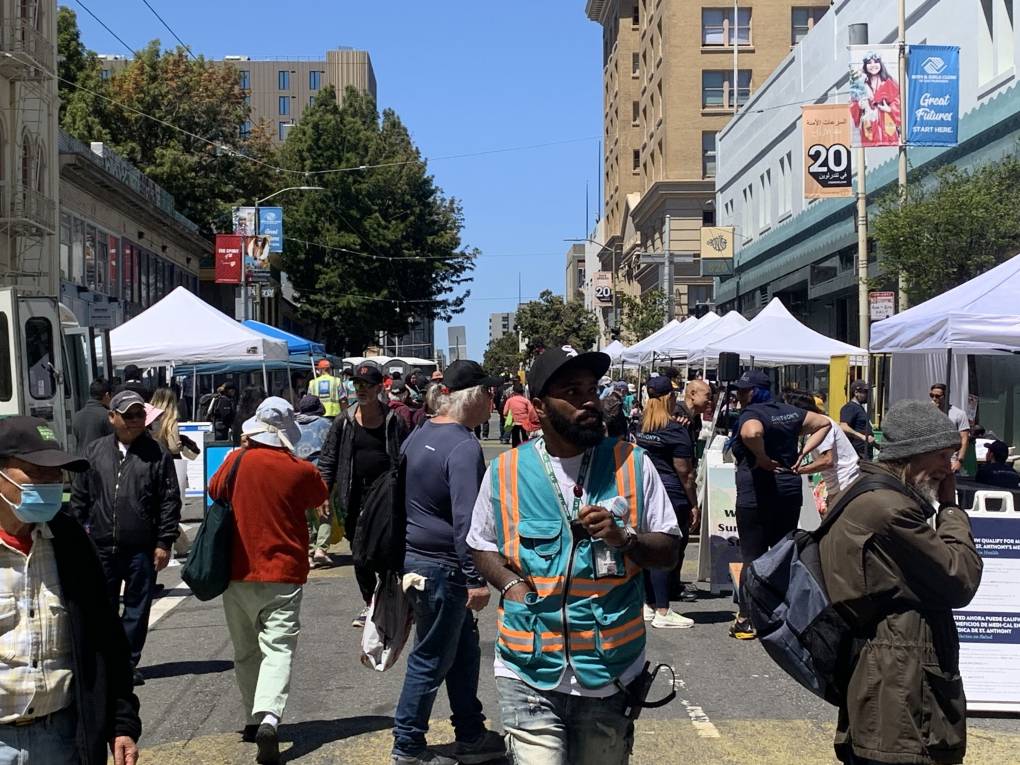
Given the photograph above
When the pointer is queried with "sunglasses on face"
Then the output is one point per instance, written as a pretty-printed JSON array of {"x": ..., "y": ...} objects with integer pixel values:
[
  {"x": 129, "y": 415},
  {"x": 362, "y": 385}
]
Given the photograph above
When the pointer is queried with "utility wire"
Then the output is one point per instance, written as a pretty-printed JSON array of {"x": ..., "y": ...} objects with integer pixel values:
[
  {"x": 168, "y": 29},
  {"x": 104, "y": 26},
  {"x": 483, "y": 256}
]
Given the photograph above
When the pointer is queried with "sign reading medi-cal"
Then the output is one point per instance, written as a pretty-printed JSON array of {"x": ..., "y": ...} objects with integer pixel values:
[{"x": 933, "y": 113}]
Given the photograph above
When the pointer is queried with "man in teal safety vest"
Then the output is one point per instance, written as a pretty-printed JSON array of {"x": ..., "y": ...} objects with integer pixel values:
[
  {"x": 328, "y": 389},
  {"x": 562, "y": 527}
]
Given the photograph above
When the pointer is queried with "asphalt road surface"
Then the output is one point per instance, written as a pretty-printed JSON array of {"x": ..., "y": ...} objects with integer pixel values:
[{"x": 733, "y": 704}]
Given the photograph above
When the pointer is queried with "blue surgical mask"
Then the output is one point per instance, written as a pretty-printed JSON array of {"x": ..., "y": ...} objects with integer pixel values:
[{"x": 40, "y": 502}]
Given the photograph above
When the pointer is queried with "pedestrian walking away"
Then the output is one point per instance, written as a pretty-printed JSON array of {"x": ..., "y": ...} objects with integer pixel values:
[
  {"x": 521, "y": 413},
  {"x": 269, "y": 492},
  {"x": 66, "y": 694},
  {"x": 446, "y": 462},
  {"x": 361, "y": 446},
  {"x": 905, "y": 654},
  {"x": 562, "y": 527},
  {"x": 92, "y": 421},
  {"x": 328, "y": 389},
  {"x": 314, "y": 427},
  {"x": 766, "y": 446},
  {"x": 130, "y": 502}
]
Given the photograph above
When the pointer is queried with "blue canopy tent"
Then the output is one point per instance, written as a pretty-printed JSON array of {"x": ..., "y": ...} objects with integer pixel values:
[{"x": 296, "y": 345}]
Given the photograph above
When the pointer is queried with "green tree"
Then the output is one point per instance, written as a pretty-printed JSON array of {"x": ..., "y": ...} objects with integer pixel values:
[
  {"x": 950, "y": 229},
  {"x": 380, "y": 246},
  {"x": 642, "y": 315},
  {"x": 80, "y": 85},
  {"x": 552, "y": 321},
  {"x": 503, "y": 355}
]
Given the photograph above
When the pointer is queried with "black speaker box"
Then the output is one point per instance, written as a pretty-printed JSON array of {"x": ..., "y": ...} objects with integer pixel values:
[{"x": 729, "y": 367}]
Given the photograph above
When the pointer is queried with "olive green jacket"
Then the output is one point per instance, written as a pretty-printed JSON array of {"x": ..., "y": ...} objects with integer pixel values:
[{"x": 897, "y": 579}]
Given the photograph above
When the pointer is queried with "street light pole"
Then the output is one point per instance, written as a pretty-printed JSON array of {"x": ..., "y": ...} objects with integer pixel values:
[
  {"x": 859, "y": 36},
  {"x": 901, "y": 278}
]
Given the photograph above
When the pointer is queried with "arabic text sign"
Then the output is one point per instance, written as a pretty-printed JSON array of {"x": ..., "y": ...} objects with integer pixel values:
[
  {"x": 933, "y": 116},
  {"x": 827, "y": 166}
]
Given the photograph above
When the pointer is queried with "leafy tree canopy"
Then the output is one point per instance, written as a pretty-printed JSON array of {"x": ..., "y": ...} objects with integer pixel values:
[
  {"x": 950, "y": 230},
  {"x": 503, "y": 356},
  {"x": 380, "y": 246},
  {"x": 642, "y": 315},
  {"x": 552, "y": 321}
]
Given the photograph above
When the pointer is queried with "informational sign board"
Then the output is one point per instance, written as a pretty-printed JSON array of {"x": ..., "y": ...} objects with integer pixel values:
[
  {"x": 199, "y": 432},
  {"x": 827, "y": 163},
  {"x": 882, "y": 305},
  {"x": 933, "y": 114},
  {"x": 215, "y": 453},
  {"x": 989, "y": 627},
  {"x": 876, "y": 108},
  {"x": 602, "y": 286}
]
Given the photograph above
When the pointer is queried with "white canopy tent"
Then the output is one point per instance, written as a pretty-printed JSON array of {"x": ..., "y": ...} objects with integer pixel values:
[
  {"x": 774, "y": 338},
  {"x": 615, "y": 351},
  {"x": 732, "y": 322},
  {"x": 635, "y": 353},
  {"x": 682, "y": 343},
  {"x": 182, "y": 329}
]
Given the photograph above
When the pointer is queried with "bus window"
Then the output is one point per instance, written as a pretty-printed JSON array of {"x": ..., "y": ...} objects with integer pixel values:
[
  {"x": 39, "y": 355},
  {"x": 6, "y": 386}
]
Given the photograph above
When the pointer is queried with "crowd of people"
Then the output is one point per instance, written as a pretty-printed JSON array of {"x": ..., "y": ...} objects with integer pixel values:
[{"x": 577, "y": 533}]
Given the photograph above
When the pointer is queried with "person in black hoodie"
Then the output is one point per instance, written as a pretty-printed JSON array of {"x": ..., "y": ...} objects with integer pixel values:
[
  {"x": 130, "y": 502},
  {"x": 80, "y": 701}
]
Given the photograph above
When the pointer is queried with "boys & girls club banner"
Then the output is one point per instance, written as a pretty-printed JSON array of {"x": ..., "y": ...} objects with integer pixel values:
[{"x": 933, "y": 94}]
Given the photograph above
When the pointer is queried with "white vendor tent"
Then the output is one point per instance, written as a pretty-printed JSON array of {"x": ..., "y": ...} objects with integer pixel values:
[
  {"x": 732, "y": 322},
  {"x": 774, "y": 337},
  {"x": 980, "y": 316},
  {"x": 635, "y": 353},
  {"x": 680, "y": 344},
  {"x": 182, "y": 329},
  {"x": 615, "y": 351}
]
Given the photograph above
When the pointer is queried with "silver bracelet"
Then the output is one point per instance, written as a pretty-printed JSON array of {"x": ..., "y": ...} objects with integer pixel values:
[{"x": 510, "y": 585}]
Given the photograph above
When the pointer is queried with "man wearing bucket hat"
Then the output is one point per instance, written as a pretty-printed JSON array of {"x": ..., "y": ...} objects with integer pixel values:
[
  {"x": 130, "y": 502},
  {"x": 896, "y": 580},
  {"x": 65, "y": 679},
  {"x": 269, "y": 489}
]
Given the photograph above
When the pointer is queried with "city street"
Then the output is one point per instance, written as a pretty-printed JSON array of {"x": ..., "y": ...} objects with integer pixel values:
[{"x": 733, "y": 705}]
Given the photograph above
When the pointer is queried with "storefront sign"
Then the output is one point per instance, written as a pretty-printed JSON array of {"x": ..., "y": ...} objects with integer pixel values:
[
  {"x": 271, "y": 225},
  {"x": 989, "y": 626},
  {"x": 716, "y": 242},
  {"x": 933, "y": 116},
  {"x": 875, "y": 106},
  {"x": 883, "y": 305},
  {"x": 827, "y": 166},
  {"x": 602, "y": 287},
  {"x": 229, "y": 248}
]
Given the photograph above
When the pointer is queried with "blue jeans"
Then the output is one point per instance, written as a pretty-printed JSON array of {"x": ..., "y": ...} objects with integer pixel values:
[
  {"x": 47, "y": 742},
  {"x": 550, "y": 728},
  {"x": 135, "y": 568},
  {"x": 445, "y": 650}
]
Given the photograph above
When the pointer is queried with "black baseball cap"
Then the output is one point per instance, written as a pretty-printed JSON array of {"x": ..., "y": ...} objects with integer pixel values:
[
  {"x": 463, "y": 374},
  {"x": 556, "y": 360},
  {"x": 753, "y": 378},
  {"x": 32, "y": 440},
  {"x": 659, "y": 386},
  {"x": 125, "y": 400},
  {"x": 371, "y": 375},
  {"x": 999, "y": 450}
]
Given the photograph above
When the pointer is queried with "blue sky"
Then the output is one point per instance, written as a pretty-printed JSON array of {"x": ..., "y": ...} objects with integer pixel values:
[{"x": 465, "y": 76}]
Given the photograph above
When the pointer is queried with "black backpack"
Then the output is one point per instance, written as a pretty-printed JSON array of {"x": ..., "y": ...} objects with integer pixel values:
[
  {"x": 381, "y": 532},
  {"x": 796, "y": 622}
]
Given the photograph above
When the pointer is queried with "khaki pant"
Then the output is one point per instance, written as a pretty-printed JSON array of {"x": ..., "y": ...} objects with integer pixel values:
[{"x": 263, "y": 620}]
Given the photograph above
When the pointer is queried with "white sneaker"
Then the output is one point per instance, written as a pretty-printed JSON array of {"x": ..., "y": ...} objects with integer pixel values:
[
  {"x": 649, "y": 613},
  {"x": 671, "y": 620}
]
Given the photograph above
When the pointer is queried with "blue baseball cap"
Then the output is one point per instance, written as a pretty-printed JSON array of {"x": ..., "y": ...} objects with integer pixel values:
[
  {"x": 659, "y": 386},
  {"x": 753, "y": 378}
]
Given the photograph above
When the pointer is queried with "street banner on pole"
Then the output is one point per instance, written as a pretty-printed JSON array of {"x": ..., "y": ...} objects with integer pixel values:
[
  {"x": 256, "y": 258},
  {"x": 827, "y": 165},
  {"x": 229, "y": 248},
  {"x": 244, "y": 221},
  {"x": 875, "y": 105},
  {"x": 602, "y": 286},
  {"x": 271, "y": 225},
  {"x": 933, "y": 115}
]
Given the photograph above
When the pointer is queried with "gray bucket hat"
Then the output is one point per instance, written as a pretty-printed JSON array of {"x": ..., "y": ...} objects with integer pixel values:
[
  {"x": 916, "y": 427},
  {"x": 273, "y": 424}
]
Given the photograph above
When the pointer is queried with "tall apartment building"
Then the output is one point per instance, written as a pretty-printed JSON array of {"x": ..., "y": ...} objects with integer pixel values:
[
  {"x": 278, "y": 90},
  {"x": 669, "y": 87},
  {"x": 501, "y": 324}
]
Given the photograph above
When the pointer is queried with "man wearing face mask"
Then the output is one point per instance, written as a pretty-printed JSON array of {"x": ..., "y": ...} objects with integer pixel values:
[
  {"x": 65, "y": 680},
  {"x": 130, "y": 502}
]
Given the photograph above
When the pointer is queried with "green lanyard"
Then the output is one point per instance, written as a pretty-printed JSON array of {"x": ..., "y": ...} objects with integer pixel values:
[{"x": 582, "y": 477}]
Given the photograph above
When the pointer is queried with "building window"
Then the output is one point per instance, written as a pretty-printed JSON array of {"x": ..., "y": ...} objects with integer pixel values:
[
  {"x": 635, "y": 113},
  {"x": 717, "y": 88},
  {"x": 635, "y": 16},
  {"x": 636, "y": 160},
  {"x": 803, "y": 21},
  {"x": 314, "y": 80},
  {"x": 284, "y": 105},
  {"x": 78, "y": 251},
  {"x": 765, "y": 203},
  {"x": 995, "y": 39},
  {"x": 718, "y": 30},
  {"x": 786, "y": 183},
  {"x": 635, "y": 64},
  {"x": 104, "y": 74},
  {"x": 113, "y": 251},
  {"x": 65, "y": 246},
  {"x": 245, "y": 129},
  {"x": 283, "y": 80},
  {"x": 245, "y": 79},
  {"x": 284, "y": 128},
  {"x": 247, "y": 100},
  {"x": 747, "y": 215},
  {"x": 708, "y": 154}
]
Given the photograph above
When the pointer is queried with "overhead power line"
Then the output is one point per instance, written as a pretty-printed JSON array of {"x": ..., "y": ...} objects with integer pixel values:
[
  {"x": 104, "y": 26},
  {"x": 168, "y": 29}
]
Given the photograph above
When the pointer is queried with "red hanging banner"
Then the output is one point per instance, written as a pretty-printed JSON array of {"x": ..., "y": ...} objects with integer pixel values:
[{"x": 229, "y": 252}]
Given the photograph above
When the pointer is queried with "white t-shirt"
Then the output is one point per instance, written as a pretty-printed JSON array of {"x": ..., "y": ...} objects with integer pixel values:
[
  {"x": 659, "y": 517},
  {"x": 959, "y": 418},
  {"x": 845, "y": 461}
]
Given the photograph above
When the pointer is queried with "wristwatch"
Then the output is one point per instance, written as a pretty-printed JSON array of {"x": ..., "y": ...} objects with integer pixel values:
[{"x": 631, "y": 539}]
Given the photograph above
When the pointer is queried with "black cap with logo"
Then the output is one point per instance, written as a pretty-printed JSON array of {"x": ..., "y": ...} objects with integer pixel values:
[
  {"x": 369, "y": 374},
  {"x": 32, "y": 440},
  {"x": 553, "y": 361},
  {"x": 463, "y": 374}
]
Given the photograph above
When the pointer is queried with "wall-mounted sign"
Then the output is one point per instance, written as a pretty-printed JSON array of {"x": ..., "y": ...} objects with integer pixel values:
[
  {"x": 716, "y": 242},
  {"x": 883, "y": 305},
  {"x": 827, "y": 167}
]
